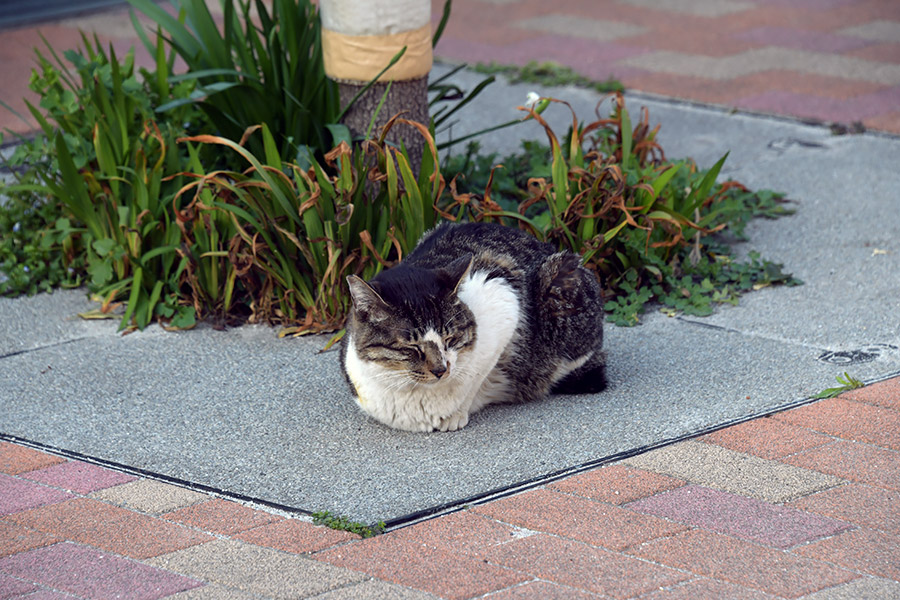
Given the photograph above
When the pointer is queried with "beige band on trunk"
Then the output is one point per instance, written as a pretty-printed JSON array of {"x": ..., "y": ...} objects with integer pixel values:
[{"x": 362, "y": 57}]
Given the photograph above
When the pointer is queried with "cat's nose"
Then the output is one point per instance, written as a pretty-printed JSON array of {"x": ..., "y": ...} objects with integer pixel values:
[{"x": 438, "y": 371}]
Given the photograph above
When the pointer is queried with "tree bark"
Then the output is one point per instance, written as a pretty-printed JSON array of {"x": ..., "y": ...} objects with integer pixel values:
[{"x": 408, "y": 97}]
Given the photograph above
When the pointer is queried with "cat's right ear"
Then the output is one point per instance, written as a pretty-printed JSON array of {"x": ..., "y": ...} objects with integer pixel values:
[{"x": 366, "y": 300}]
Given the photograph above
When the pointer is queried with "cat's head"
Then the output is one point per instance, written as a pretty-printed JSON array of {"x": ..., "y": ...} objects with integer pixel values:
[{"x": 411, "y": 321}]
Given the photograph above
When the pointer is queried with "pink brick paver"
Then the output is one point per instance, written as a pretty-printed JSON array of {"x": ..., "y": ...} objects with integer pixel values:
[
  {"x": 79, "y": 477},
  {"x": 89, "y": 573},
  {"x": 11, "y": 587},
  {"x": 745, "y": 518},
  {"x": 18, "y": 495}
]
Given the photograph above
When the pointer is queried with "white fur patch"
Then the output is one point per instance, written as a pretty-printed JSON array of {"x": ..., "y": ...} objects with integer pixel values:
[
  {"x": 393, "y": 398},
  {"x": 568, "y": 366}
]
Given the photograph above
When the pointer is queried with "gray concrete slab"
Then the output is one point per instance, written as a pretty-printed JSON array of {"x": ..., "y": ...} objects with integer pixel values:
[{"x": 248, "y": 414}]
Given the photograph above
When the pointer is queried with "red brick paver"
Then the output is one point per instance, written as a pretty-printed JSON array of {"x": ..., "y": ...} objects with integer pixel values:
[
  {"x": 583, "y": 566},
  {"x": 854, "y": 461},
  {"x": 423, "y": 567},
  {"x": 297, "y": 537},
  {"x": 220, "y": 516},
  {"x": 616, "y": 484},
  {"x": 884, "y": 393},
  {"x": 766, "y": 438},
  {"x": 589, "y": 521},
  {"x": 15, "y": 459},
  {"x": 16, "y": 538},
  {"x": 109, "y": 528},
  {"x": 866, "y": 550},
  {"x": 867, "y": 506},
  {"x": 743, "y": 563},
  {"x": 849, "y": 420}
]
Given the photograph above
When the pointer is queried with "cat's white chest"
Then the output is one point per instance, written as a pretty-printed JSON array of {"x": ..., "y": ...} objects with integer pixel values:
[{"x": 394, "y": 399}]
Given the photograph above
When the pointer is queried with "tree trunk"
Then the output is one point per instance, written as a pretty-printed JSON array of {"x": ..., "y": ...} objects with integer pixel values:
[{"x": 359, "y": 39}]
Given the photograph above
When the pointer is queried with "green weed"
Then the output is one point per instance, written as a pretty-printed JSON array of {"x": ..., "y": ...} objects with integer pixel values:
[
  {"x": 344, "y": 524},
  {"x": 847, "y": 383}
]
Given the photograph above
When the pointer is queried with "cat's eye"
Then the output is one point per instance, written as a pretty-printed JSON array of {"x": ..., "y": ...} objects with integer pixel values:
[
  {"x": 415, "y": 352},
  {"x": 453, "y": 340}
]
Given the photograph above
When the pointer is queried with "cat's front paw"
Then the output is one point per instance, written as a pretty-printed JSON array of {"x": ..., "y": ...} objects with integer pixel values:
[{"x": 454, "y": 421}]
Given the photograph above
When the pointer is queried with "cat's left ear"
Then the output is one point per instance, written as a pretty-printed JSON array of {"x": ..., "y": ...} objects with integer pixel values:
[{"x": 459, "y": 270}]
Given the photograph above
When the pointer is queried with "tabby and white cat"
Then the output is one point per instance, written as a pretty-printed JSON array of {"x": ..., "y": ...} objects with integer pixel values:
[{"x": 478, "y": 313}]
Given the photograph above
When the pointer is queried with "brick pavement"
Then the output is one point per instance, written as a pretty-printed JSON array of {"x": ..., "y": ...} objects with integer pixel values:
[
  {"x": 806, "y": 506},
  {"x": 836, "y": 61}
]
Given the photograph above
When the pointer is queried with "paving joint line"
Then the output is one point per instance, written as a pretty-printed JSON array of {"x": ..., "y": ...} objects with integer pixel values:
[{"x": 46, "y": 346}]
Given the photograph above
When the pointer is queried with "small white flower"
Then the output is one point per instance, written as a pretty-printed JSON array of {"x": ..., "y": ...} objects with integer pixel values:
[
  {"x": 532, "y": 99},
  {"x": 16, "y": 228}
]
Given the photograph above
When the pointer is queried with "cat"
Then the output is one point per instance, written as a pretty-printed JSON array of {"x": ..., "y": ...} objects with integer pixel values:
[{"x": 478, "y": 313}]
